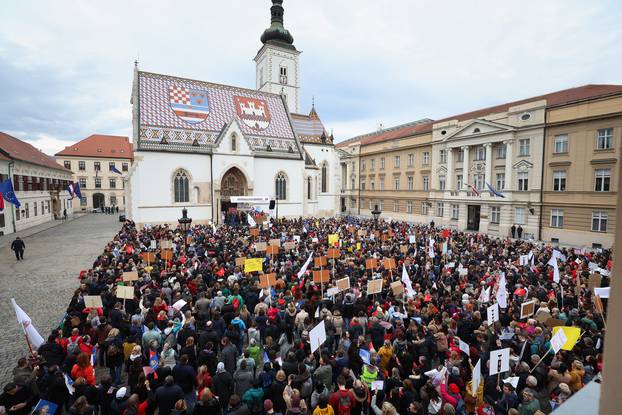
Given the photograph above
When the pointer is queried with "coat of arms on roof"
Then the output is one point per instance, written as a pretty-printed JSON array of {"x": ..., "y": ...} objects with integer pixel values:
[
  {"x": 253, "y": 112},
  {"x": 191, "y": 105}
]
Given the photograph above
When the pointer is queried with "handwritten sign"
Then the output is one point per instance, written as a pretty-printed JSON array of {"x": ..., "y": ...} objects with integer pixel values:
[
  {"x": 275, "y": 242},
  {"x": 254, "y": 231},
  {"x": 334, "y": 253},
  {"x": 260, "y": 247},
  {"x": 267, "y": 280},
  {"x": 272, "y": 250},
  {"x": 321, "y": 276},
  {"x": 288, "y": 246},
  {"x": 239, "y": 262},
  {"x": 343, "y": 284},
  {"x": 319, "y": 261},
  {"x": 130, "y": 276},
  {"x": 125, "y": 292},
  {"x": 371, "y": 263},
  {"x": 389, "y": 263},
  {"x": 93, "y": 301},
  {"x": 374, "y": 286},
  {"x": 253, "y": 264},
  {"x": 166, "y": 254},
  {"x": 148, "y": 256}
]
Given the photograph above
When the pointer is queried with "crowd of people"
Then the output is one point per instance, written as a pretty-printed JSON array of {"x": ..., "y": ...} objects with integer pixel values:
[{"x": 199, "y": 335}]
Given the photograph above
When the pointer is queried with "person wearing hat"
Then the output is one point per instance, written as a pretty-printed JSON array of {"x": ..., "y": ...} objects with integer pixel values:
[{"x": 119, "y": 404}]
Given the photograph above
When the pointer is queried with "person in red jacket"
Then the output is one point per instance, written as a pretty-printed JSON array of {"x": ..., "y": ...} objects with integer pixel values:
[{"x": 83, "y": 369}]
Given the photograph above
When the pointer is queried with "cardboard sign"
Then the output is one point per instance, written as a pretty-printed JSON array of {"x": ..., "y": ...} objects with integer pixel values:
[
  {"x": 404, "y": 249},
  {"x": 371, "y": 263},
  {"x": 288, "y": 246},
  {"x": 254, "y": 231},
  {"x": 321, "y": 276},
  {"x": 148, "y": 256},
  {"x": 334, "y": 253},
  {"x": 593, "y": 281},
  {"x": 319, "y": 261},
  {"x": 362, "y": 232},
  {"x": 374, "y": 286},
  {"x": 93, "y": 301},
  {"x": 166, "y": 244},
  {"x": 239, "y": 262},
  {"x": 527, "y": 309},
  {"x": 166, "y": 255},
  {"x": 260, "y": 247},
  {"x": 275, "y": 242},
  {"x": 397, "y": 287},
  {"x": 130, "y": 276},
  {"x": 352, "y": 230},
  {"x": 343, "y": 284},
  {"x": 543, "y": 316},
  {"x": 125, "y": 292},
  {"x": 272, "y": 250},
  {"x": 267, "y": 280},
  {"x": 253, "y": 265},
  {"x": 384, "y": 237},
  {"x": 553, "y": 322},
  {"x": 388, "y": 263}
]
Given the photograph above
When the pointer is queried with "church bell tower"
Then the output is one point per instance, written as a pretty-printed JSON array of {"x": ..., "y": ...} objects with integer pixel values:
[{"x": 277, "y": 62}]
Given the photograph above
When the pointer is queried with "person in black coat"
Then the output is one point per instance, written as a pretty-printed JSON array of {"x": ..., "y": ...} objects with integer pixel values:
[
  {"x": 222, "y": 383},
  {"x": 185, "y": 375},
  {"x": 52, "y": 352},
  {"x": 167, "y": 395},
  {"x": 18, "y": 246}
]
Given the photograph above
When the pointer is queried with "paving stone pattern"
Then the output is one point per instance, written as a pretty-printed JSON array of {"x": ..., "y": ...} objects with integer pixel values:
[{"x": 43, "y": 283}]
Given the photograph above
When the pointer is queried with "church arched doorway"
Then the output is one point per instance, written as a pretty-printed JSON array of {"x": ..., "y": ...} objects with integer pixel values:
[{"x": 233, "y": 183}]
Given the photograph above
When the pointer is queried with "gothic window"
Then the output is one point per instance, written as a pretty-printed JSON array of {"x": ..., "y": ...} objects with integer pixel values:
[
  {"x": 283, "y": 75},
  {"x": 308, "y": 188},
  {"x": 181, "y": 187},
  {"x": 324, "y": 178},
  {"x": 281, "y": 186},
  {"x": 234, "y": 143}
]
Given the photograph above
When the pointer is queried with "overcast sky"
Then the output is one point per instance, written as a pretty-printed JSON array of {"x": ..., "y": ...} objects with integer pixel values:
[{"x": 66, "y": 66}]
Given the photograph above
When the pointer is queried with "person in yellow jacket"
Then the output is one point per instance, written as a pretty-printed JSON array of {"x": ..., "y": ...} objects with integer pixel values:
[
  {"x": 323, "y": 408},
  {"x": 370, "y": 374},
  {"x": 385, "y": 353}
]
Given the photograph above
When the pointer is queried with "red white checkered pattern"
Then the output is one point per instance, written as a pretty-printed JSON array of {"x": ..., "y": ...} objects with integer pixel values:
[{"x": 180, "y": 95}]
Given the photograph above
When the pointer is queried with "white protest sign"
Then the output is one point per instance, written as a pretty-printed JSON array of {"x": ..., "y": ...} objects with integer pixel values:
[
  {"x": 512, "y": 381},
  {"x": 558, "y": 341},
  {"x": 412, "y": 239},
  {"x": 317, "y": 336},
  {"x": 154, "y": 244},
  {"x": 179, "y": 305},
  {"x": 332, "y": 291},
  {"x": 464, "y": 347},
  {"x": 499, "y": 361},
  {"x": 477, "y": 377},
  {"x": 493, "y": 314},
  {"x": 602, "y": 292},
  {"x": 377, "y": 385}
]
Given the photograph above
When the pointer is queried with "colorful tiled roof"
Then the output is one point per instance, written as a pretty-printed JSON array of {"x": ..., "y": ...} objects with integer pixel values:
[
  {"x": 186, "y": 112},
  {"x": 310, "y": 128},
  {"x": 100, "y": 145},
  {"x": 17, "y": 149}
]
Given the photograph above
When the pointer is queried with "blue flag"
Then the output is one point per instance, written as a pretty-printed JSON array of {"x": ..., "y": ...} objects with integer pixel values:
[
  {"x": 494, "y": 191},
  {"x": 76, "y": 189},
  {"x": 154, "y": 360},
  {"x": 115, "y": 170},
  {"x": 6, "y": 188}
]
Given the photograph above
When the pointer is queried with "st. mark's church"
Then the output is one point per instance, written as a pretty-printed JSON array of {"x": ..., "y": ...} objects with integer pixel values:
[{"x": 199, "y": 144}]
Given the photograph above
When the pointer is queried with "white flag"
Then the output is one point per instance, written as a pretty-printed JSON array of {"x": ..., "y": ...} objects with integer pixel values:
[
  {"x": 251, "y": 221},
  {"x": 502, "y": 295},
  {"x": 484, "y": 296},
  {"x": 553, "y": 262},
  {"x": 407, "y": 283},
  {"x": 305, "y": 266},
  {"x": 477, "y": 377},
  {"x": 31, "y": 332}
]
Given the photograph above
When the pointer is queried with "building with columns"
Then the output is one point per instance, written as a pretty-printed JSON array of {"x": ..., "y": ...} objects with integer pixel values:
[
  {"x": 198, "y": 143},
  {"x": 546, "y": 163}
]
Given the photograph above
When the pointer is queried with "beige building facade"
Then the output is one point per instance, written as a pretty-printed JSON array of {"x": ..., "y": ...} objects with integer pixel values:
[{"x": 546, "y": 164}]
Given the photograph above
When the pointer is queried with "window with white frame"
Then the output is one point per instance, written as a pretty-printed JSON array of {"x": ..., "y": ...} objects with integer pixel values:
[
  {"x": 559, "y": 180},
  {"x": 280, "y": 185},
  {"x": 371, "y": 204},
  {"x": 599, "y": 221},
  {"x": 372, "y": 164},
  {"x": 603, "y": 180},
  {"x": 495, "y": 214},
  {"x": 381, "y": 163},
  {"x": 501, "y": 151},
  {"x": 82, "y": 181},
  {"x": 411, "y": 182},
  {"x": 455, "y": 211},
  {"x": 461, "y": 155},
  {"x": 523, "y": 146},
  {"x": 561, "y": 144},
  {"x": 519, "y": 215},
  {"x": 500, "y": 182},
  {"x": 396, "y": 206},
  {"x": 411, "y": 160},
  {"x": 480, "y": 153},
  {"x": 442, "y": 155},
  {"x": 426, "y": 183},
  {"x": 604, "y": 139},
  {"x": 441, "y": 183},
  {"x": 381, "y": 184},
  {"x": 409, "y": 207},
  {"x": 372, "y": 185},
  {"x": 426, "y": 158},
  {"x": 83, "y": 201},
  {"x": 396, "y": 161},
  {"x": 459, "y": 182},
  {"x": 523, "y": 181},
  {"x": 362, "y": 185},
  {"x": 396, "y": 183},
  {"x": 424, "y": 208},
  {"x": 557, "y": 218},
  {"x": 440, "y": 209},
  {"x": 479, "y": 181}
]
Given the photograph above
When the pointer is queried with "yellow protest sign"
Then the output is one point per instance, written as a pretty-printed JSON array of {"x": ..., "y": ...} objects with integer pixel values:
[
  {"x": 358, "y": 246},
  {"x": 572, "y": 335},
  {"x": 253, "y": 264},
  {"x": 333, "y": 239}
]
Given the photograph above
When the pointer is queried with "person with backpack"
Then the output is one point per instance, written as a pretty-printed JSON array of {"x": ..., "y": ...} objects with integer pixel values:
[
  {"x": 342, "y": 400},
  {"x": 451, "y": 395},
  {"x": 253, "y": 398},
  {"x": 113, "y": 349},
  {"x": 323, "y": 408}
]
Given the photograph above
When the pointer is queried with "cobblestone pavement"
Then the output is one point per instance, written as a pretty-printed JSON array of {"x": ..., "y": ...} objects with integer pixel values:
[{"x": 43, "y": 283}]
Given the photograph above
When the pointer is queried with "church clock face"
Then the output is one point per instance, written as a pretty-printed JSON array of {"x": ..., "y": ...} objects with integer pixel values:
[{"x": 253, "y": 112}]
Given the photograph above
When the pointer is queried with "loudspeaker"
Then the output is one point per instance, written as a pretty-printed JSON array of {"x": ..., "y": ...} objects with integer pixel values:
[{"x": 272, "y": 204}]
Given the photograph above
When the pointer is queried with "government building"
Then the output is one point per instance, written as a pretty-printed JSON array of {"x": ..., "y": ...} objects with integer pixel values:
[{"x": 199, "y": 145}]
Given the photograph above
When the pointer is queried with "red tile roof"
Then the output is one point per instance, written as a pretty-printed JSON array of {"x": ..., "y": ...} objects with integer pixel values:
[
  {"x": 101, "y": 146},
  {"x": 565, "y": 96},
  {"x": 16, "y": 149}
]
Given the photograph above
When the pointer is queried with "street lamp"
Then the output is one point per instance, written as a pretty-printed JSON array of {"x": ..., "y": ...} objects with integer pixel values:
[
  {"x": 376, "y": 214},
  {"x": 184, "y": 221}
]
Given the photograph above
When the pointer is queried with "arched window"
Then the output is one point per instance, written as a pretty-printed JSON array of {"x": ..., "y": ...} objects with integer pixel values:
[
  {"x": 234, "y": 143},
  {"x": 181, "y": 185},
  {"x": 324, "y": 178},
  {"x": 281, "y": 186},
  {"x": 308, "y": 188}
]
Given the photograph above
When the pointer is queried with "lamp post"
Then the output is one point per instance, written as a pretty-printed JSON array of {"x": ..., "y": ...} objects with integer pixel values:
[
  {"x": 184, "y": 221},
  {"x": 376, "y": 214}
]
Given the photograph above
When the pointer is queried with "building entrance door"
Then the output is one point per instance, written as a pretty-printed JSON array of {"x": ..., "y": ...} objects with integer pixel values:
[
  {"x": 473, "y": 217},
  {"x": 98, "y": 201}
]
